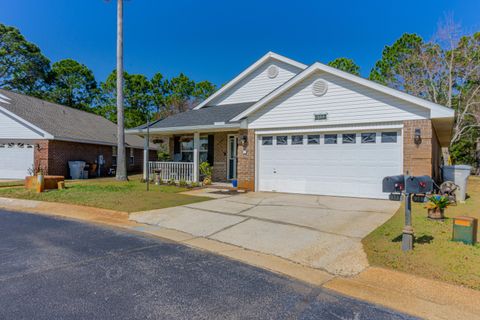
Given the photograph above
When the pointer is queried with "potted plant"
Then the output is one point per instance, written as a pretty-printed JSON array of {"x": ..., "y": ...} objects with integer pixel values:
[
  {"x": 436, "y": 206},
  {"x": 206, "y": 171}
]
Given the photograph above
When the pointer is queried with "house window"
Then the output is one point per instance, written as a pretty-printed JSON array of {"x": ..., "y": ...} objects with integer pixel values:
[
  {"x": 267, "y": 141},
  {"x": 114, "y": 156},
  {"x": 313, "y": 139},
  {"x": 282, "y": 140},
  {"x": 368, "y": 137},
  {"x": 330, "y": 139},
  {"x": 297, "y": 139},
  {"x": 186, "y": 149},
  {"x": 132, "y": 156},
  {"x": 349, "y": 138},
  {"x": 389, "y": 137}
]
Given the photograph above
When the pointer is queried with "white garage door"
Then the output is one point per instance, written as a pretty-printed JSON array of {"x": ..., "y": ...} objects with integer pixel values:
[
  {"x": 15, "y": 160},
  {"x": 341, "y": 164}
]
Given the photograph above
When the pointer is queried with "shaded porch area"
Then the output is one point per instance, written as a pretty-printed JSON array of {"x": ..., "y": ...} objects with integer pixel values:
[{"x": 183, "y": 153}]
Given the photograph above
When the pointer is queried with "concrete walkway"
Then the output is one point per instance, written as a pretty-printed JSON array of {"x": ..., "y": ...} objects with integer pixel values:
[{"x": 315, "y": 231}]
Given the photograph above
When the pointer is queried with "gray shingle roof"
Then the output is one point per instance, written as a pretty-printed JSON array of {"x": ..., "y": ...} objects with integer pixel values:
[
  {"x": 65, "y": 123},
  {"x": 203, "y": 116}
]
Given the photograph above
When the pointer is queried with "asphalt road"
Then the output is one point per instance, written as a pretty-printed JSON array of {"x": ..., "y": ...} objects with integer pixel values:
[{"x": 60, "y": 269}]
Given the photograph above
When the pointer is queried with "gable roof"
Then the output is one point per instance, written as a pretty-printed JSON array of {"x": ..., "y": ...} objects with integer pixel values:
[
  {"x": 437, "y": 111},
  {"x": 59, "y": 122},
  {"x": 248, "y": 71},
  {"x": 207, "y": 117}
]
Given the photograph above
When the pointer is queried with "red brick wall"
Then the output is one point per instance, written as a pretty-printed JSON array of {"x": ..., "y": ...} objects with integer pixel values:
[
  {"x": 53, "y": 156},
  {"x": 246, "y": 161},
  {"x": 419, "y": 159}
]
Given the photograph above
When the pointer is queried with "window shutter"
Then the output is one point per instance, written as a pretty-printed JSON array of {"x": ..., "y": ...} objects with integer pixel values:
[{"x": 210, "y": 149}]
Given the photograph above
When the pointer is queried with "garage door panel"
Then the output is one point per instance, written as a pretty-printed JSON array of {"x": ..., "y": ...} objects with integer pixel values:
[
  {"x": 16, "y": 159},
  {"x": 339, "y": 169}
]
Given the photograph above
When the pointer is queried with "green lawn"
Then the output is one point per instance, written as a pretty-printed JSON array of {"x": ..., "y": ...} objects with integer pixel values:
[
  {"x": 435, "y": 255},
  {"x": 11, "y": 183},
  {"x": 109, "y": 194}
]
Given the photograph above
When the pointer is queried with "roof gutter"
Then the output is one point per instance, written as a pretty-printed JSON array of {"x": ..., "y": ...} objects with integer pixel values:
[{"x": 185, "y": 129}]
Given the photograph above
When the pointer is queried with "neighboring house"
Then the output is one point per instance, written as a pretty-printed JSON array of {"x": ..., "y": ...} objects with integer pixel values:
[
  {"x": 283, "y": 126},
  {"x": 36, "y": 134}
]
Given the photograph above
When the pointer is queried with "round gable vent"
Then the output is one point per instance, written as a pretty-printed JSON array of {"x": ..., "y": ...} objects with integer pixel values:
[
  {"x": 272, "y": 72},
  {"x": 319, "y": 88}
]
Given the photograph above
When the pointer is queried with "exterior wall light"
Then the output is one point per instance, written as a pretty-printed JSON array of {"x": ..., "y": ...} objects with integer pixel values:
[
  {"x": 418, "y": 137},
  {"x": 244, "y": 141}
]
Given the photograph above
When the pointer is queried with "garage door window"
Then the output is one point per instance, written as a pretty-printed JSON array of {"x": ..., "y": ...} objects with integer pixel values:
[
  {"x": 297, "y": 139},
  {"x": 349, "y": 138},
  {"x": 313, "y": 139},
  {"x": 267, "y": 141},
  {"x": 282, "y": 140},
  {"x": 330, "y": 139},
  {"x": 389, "y": 137},
  {"x": 368, "y": 137}
]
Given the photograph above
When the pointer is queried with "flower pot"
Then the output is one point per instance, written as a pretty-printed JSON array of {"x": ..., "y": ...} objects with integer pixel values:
[
  {"x": 207, "y": 181},
  {"x": 436, "y": 213}
]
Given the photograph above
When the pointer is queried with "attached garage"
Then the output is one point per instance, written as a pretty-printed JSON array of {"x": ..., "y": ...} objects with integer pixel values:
[
  {"x": 335, "y": 163},
  {"x": 16, "y": 159}
]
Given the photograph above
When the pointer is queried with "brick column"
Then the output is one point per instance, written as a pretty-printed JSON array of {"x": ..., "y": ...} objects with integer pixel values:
[
  {"x": 246, "y": 160},
  {"x": 417, "y": 159}
]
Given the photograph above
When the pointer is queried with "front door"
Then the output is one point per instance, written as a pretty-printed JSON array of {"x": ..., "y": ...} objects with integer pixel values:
[{"x": 232, "y": 157}]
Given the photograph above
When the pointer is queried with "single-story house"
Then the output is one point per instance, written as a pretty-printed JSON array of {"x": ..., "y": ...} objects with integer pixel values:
[
  {"x": 36, "y": 134},
  {"x": 283, "y": 126}
]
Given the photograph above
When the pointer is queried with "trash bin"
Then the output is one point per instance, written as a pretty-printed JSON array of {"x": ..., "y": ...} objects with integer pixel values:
[
  {"x": 459, "y": 175},
  {"x": 76, "y": 169}
]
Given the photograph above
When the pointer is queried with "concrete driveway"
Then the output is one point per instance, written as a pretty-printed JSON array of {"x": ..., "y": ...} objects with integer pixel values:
[{"x": 317, "y": 231}]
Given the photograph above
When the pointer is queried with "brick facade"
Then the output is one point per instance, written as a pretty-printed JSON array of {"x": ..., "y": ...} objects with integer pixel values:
[
  {"x": 246, "y": 160},
  {"x": 52, "y": 156},
  {"x": 422, "y": 159}
]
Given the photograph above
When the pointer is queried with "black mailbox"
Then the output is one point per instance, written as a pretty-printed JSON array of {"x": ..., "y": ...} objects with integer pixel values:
[
  {"x": 419, "y": 185},
  {"x": 393, "y": 184}
]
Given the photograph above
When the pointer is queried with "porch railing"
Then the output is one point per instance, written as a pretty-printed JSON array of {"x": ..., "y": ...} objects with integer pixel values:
[{"x": 177, "y": 171}]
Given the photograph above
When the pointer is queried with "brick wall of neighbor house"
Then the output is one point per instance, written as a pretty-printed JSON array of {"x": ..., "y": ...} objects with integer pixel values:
[
  {"x": 53, "y": 156},
  {"x": 420, "y": 159},
  {"x": 246, "y": 161}
]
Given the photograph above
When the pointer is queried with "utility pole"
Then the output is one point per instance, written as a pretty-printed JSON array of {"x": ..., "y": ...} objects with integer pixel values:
[{"x": 121, "y": 172}]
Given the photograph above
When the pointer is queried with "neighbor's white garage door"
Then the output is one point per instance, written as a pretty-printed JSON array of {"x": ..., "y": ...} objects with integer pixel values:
[
  {"x": 339, "y": 164},
  {"x": 15, "y": 160}
]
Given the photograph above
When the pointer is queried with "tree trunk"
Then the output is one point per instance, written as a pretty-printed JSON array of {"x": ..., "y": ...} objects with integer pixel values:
[{"x": 121, "y": 172}]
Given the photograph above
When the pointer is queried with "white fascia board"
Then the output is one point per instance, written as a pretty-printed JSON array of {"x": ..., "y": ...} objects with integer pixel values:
[
  {"x": 436, "y": 110},
  {"x": 210, "y": 128},
  {"x": 249, "y": 70},
  {"x": 29, "y": 125}
]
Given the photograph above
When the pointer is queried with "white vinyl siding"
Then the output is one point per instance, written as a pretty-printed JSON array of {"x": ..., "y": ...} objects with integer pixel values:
[
  {"x": 257, "y": 85},
  {"x": 345, "y": 103},
  {"x": 12, "y": 129}
]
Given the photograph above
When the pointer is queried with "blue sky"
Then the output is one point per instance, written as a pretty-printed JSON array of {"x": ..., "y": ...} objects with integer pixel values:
[{"x": 215, "y": 40}]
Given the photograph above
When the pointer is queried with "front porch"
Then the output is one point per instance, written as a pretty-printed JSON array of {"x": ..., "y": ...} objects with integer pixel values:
[{"x": 186, "y": 151}]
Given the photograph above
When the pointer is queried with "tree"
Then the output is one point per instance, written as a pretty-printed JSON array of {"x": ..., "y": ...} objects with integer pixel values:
[
  {"x": 23, "y": 67},
  {"x": 138, "y": 100},
  {"x": 445, "y": 70},
  {"x": 345, "y": 64},
  {"x": 72, "y": 84}
]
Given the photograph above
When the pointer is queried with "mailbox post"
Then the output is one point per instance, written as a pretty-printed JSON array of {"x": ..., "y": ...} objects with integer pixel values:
[
  {"x": 407, "y": 233},
  {"x": 409, "y": 186}
]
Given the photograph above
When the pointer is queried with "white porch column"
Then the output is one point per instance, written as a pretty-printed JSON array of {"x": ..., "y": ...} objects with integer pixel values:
[
  {"x": 196, "y": 156},
  {"x": 145, "y": 157}
]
